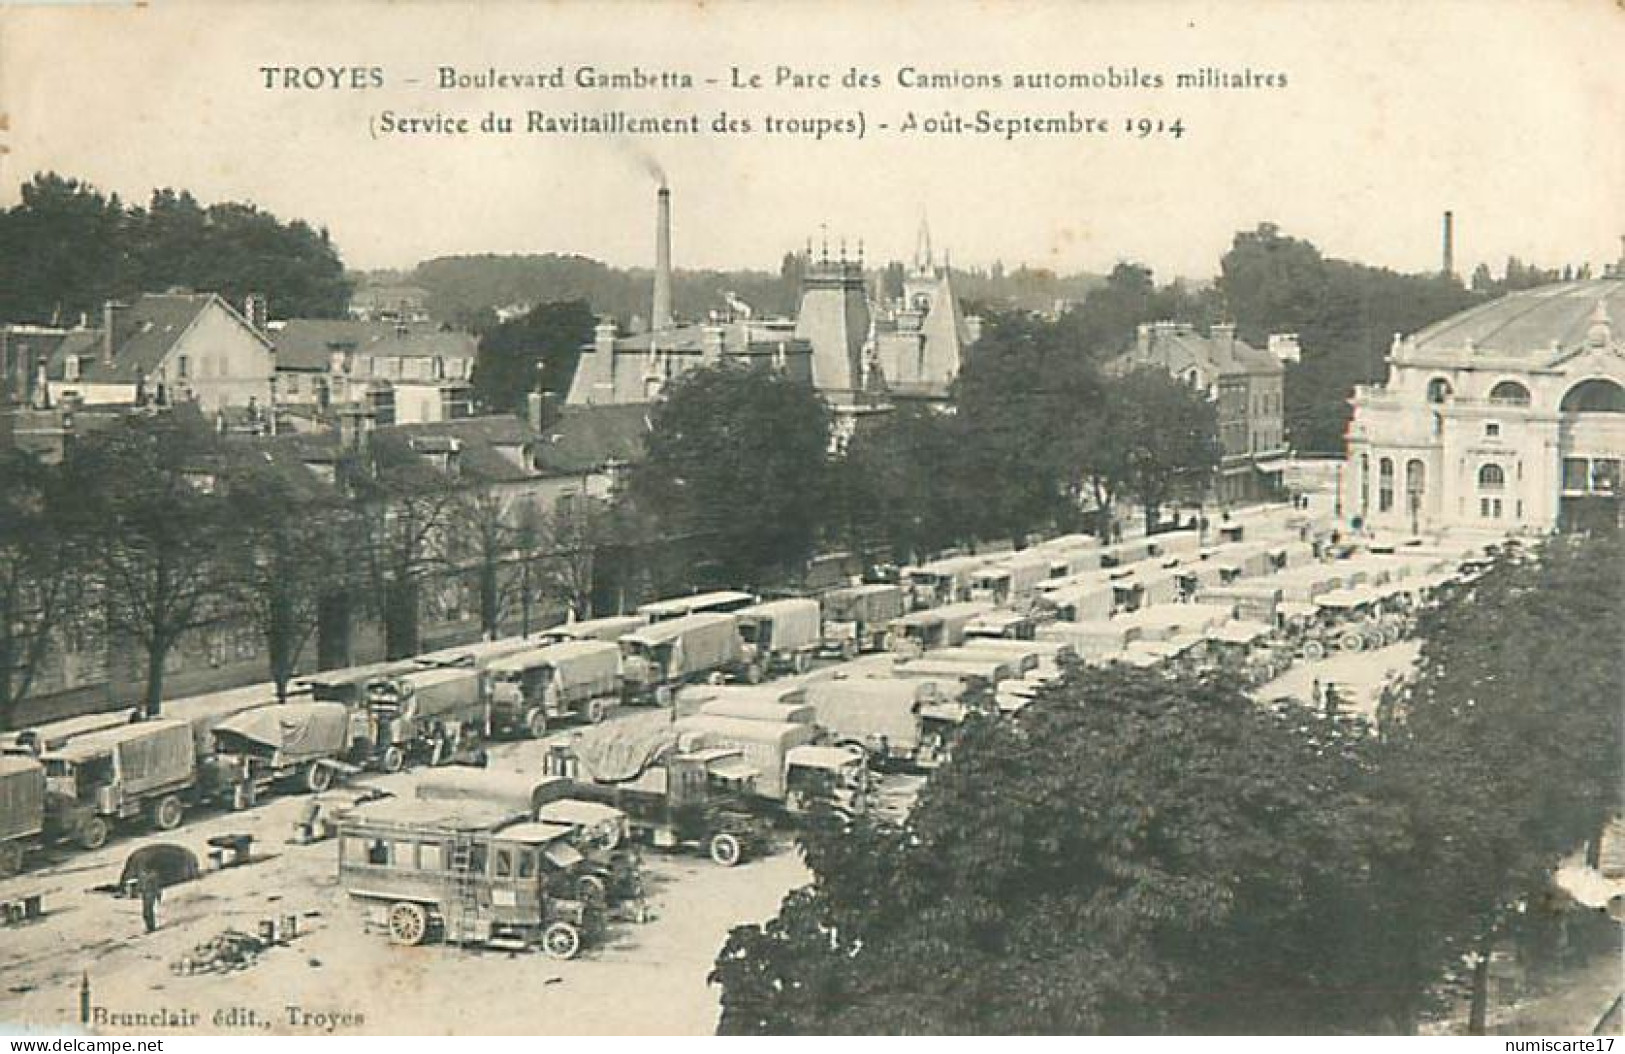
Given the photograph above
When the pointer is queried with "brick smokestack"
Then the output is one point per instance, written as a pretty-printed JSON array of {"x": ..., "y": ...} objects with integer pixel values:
[
  {"x": 661, "y": 318},
  {"x": 1449, "y": 243}
]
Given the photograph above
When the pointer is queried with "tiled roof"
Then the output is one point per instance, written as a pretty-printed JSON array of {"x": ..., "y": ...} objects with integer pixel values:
[
  {"x": 586, "y": 438},
  {"x": 309, "y": 343}
]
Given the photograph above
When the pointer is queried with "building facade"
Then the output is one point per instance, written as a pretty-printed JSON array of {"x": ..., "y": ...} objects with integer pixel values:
[
  {"x": 1507, "y": 416},
  {"x": 406, "y": 373},
  {"x": 1246, "y": 385}
]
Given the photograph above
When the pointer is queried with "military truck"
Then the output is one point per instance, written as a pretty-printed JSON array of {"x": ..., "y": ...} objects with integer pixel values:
[
  {"x": 908, "y": 722},
  {"x": 303, "y": 745},
  {"x": 940, "y": 581},
  {"x": 858, "y": 618},
  {"x": 778, "y": 636},
  {"x": 431, "y": 714},
  {"x": 580, "y": 678},
  {"x": 758, "y": 703},
  {"x": 467, "y": 872},
  {"x": 676, "y": 791},
  {"x": 611, "y": 628},
  {"x": 719, "y": 602},
  {"x": 790, "y": 767},
  {"x": 22, "y": 810},
  {"x": 1012, "y": 581},
  {"x": 657, "y": 659},
  {"x": 118, "y": 774},
  {"x": 942, "y": 627}
]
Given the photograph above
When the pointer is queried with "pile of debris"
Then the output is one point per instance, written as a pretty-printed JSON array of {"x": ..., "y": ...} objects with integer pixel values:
[{"x": 230, "y": 951}]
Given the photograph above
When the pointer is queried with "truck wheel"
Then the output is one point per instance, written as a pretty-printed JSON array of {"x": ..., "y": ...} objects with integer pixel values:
[
  {"x": 849, "y": 649},
  {"x": 725, "y": 849},
  {"x": 393, "y": 759},
  {"x": 318, "y": 777},
  {"x": 597, "y": 710},
  {"x": 803, "y": 662},
  {"x": 536, "y": 724},
  {"x": 93, "y": 832},
  {"x": 11, "y": 859},
  {"x": 408, "y": 923},
  {"x": 561, "y": 940},
  {"x": 167, "y": 814},
  {"x": 1353, "y": 641},
  {"x": 1314, "y": 650},
  {"x": 753, "y": 674},
  {"x": 591, "y": 888}
]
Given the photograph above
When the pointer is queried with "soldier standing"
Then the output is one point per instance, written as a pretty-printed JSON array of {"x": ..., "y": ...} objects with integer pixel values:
[{"x": 151, "y": 891}]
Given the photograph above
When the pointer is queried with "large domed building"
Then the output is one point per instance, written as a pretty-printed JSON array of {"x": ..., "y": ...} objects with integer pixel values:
[{"x": 1507, "y": 416}]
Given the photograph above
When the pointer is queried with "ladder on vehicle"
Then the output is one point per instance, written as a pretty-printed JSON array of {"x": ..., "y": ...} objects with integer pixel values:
[{"x": 465, "y": 903}]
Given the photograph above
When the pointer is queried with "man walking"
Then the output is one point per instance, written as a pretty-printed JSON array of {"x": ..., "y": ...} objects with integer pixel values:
[{"x": 151, "y": 891}]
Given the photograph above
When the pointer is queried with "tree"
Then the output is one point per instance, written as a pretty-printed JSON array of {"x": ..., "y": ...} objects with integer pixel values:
[
  {"x": 1166, "y": 436},
  {"x": 42, "y": 533},
  {"x": 157, "y": 554},
  {"x": 62, "y": 251},
  {"x": 1137, "y": 853},
  {"x": 1508, "y": 736},
  {"x": 287, "y": 553},
  {"x": 537, "y": 351},
  {"x": 893, "y": 484},
  {"x": 737, "y": 458},
  {"x": 402, "y": 509}
]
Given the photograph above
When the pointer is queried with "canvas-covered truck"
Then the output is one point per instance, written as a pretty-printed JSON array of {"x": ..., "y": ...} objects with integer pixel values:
[
  {"x": 971, "y": 671},
  {"x": 721, "y": 601},
  {"x": 940, "y": 581},
  {"x": 579, "y": 678},
  {"x": 432, "y": 714},
  {"x": 676, "y": 792},
  {"x": 35, "y": 740},
  {"x": 942, "y": 627},
  {"x": 349, "y": 684},
  {"x": 115, "y": 775},
  {"x": 790, "y": 768},
  {"x": 467, "y": 872},
  {"x": 1010, "y": 582},
  {"x": 657, "y": 659},
  {"x": 760, "y": 704},
  {"x": 894, "y": 722},
  {"x": 22, "y": 810},
  {"x": 303, "y": 745},
  {"x": 779, "y": 635},
  {"x": 857, "y": 618},
  {"x": 1001, "y": 624},
  {"x": 611, "y": 628}
]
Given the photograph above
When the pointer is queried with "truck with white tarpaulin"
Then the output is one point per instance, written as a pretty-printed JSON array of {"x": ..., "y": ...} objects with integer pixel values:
[{"x": 530, "y": 689}]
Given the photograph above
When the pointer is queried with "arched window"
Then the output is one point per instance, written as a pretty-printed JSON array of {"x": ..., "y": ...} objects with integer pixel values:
[
  {"x": 1438, "y": 390},
  {"x": 1595, "y": 396},
  {"x": 1415, "y": 479},
  {"x": 1385, "y": 484},
  {"x": 1510, "y": 393},
  {"x": 1492, "y": 477}
]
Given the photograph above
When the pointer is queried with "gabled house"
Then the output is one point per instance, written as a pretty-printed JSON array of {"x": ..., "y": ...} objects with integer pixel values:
[{"x": 163, "y": 349}]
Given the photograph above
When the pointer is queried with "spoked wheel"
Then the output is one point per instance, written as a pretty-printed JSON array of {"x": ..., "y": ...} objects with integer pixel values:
[
  {"x": 1352, "y": 641},
  {"x": 536, "y": 724},
  {"x": 408, "y": 923},
  {"x": 597, "y": 710},
  {"x": 1314, "y": 650},
  {"x": 167, "y": 814},
  {"x": 561, "y": 940},
  {"x": 393, "y": 760},
  {"x": 725, "y": 849},
  {"x": 93, "y": 833},
  {"x": 318, "y": 777}
]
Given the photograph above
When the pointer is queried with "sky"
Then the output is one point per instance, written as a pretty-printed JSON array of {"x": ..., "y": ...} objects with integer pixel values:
[{"x": 1511, "y": 113}]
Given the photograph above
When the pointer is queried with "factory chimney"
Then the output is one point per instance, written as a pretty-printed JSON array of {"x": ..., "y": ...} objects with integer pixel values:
[
  {"x": 661, "y": 318},
  {"x": 1449, "y": 243}
]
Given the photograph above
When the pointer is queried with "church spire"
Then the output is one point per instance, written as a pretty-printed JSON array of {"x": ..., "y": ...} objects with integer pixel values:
[{"x": 922, "y": 246}]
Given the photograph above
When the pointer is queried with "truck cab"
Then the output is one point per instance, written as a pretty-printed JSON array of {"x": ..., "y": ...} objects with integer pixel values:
[{"x": 116, "y": 774}]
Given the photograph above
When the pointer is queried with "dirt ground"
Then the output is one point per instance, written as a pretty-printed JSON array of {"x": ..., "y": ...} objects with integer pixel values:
[{"x": 647, "y": 978}]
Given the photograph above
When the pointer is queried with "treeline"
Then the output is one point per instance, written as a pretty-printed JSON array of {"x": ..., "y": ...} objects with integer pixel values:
[
  {"x": 66, "y": 248},
  {"x": 1143, "y": 853},
  {"x": 1040, "y": 439}
]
